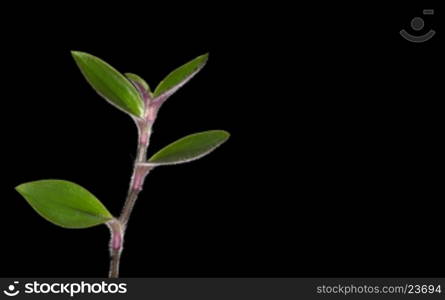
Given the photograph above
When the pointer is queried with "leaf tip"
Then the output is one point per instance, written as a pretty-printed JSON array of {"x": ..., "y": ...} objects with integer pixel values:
[
  {"x": 19, "y": 188},
  {"x": 203, "y": 59},
  {"x": 77, "y": 54},
  {"x": 225, "y": 135}
]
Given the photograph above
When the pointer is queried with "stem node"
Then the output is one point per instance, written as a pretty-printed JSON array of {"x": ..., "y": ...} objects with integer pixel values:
[
  {"x": 116, "y": 246},
  {"x": 140, "y": 171}
]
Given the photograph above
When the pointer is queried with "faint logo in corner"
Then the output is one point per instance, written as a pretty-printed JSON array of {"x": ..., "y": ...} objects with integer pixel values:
[
  {"x": 417, "y": 24},
  {"x": 11, "y": 291}
]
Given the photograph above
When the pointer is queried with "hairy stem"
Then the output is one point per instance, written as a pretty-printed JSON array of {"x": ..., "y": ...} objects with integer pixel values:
[
  {"x": 138, "y": 177},
  {"x": 116, "y": 243},
  {"x": 140, "y": 171}
]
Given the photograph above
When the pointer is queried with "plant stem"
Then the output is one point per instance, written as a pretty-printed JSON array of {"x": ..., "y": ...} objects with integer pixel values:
[
  {"x": 140, "y": 171},
  {"x": 116, "y": 243}
]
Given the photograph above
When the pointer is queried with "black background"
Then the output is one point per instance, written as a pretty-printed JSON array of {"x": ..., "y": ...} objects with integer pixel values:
[{"x": 333, "y": 167}]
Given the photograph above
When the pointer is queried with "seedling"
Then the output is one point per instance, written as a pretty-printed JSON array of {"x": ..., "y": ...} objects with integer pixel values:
[{"x": 69, "y": 205}]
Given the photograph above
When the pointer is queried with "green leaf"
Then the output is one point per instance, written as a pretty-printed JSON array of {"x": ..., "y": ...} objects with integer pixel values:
[
  {"x": 180, "y": 76},
  {"x": 109, "y": 83},
  {"x": 138, "y": 81},
  {"x": 64, "y": 203},
  {"x": 189, "y": 148}
]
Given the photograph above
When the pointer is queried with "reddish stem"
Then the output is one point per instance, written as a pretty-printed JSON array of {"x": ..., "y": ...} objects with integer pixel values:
[{"x": 140, "y": 171}]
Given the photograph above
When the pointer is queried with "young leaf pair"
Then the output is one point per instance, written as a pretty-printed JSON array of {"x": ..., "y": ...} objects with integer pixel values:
[
  {"x": 129, "y": 93},
  {"x": 69, "y": 205}
]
